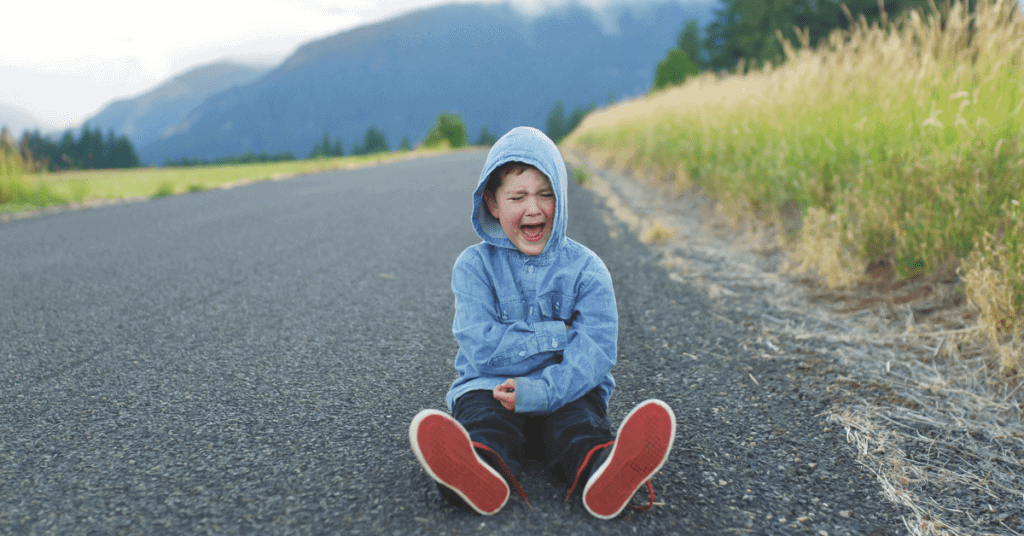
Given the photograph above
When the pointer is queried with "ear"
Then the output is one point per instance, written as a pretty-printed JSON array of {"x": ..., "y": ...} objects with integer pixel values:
[{"x": 492, "y": 204}]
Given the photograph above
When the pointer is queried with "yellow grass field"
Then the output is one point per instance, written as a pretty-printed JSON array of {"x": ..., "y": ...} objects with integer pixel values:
[{"x": 897, "y": 143}]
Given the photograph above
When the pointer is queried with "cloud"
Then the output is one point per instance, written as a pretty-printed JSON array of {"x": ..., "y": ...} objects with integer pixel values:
[
  {"x": 107, "y": 49},
  {"x": 160, "y": 35}
]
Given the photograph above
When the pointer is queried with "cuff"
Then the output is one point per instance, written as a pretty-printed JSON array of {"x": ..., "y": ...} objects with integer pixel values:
[
  {"x": 552, "y": 336},
  {"x": 531, "y": 397}
]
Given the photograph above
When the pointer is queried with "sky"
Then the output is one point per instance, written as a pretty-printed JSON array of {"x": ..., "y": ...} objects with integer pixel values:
[{"x": 62, "y": 61}]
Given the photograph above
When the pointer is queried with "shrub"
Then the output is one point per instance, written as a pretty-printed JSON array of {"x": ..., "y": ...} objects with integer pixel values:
[
  {"x": 449, "y": 129},
  {"x": 166, "y": 189}
]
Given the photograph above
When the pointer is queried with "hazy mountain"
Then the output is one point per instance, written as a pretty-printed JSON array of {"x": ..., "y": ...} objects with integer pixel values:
[
  {"x": 489, "y": 63},
  {"x": 17, "y": 119},
  {"x": 145, "y": 117}
]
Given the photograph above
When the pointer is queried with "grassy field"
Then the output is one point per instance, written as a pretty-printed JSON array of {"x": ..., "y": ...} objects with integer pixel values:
[
  {"x": 20, "y": 192},
  {"x": 896, "y": 144}
]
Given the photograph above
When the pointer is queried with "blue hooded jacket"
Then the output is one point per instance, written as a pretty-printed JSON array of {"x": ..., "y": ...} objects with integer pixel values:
[{"x": 511, "y": 309}]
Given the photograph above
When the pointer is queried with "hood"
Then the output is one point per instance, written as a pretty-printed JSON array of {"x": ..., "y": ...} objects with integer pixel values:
[{"x": 530, "y": 146}]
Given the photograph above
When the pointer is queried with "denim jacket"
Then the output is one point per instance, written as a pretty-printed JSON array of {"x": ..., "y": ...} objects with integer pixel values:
[{"x": 511, "y": 309}]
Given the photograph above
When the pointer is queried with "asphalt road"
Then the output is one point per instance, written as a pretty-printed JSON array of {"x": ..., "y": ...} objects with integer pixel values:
[{"x": 247, "y": 361}]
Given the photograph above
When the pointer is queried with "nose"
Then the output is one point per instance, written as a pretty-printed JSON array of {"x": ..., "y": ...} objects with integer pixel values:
[{"x": 532, "y": 205}]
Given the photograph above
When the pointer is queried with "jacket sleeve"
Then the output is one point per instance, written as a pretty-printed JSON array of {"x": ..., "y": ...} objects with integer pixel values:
[
  {"x": 492, "y": 347},
  {"x": 588, "y": 358}
]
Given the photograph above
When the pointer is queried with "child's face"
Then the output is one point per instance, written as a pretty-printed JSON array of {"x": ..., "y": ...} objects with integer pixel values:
[{"x": 525, "y": 206}]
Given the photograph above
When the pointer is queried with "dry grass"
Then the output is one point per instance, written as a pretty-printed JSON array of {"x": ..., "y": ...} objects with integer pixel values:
[
  {"x": 911, "y": 383},
  {"x": 895, "y": 144}
]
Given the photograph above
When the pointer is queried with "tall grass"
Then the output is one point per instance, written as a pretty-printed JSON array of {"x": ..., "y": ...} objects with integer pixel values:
[
  {"x": 16, "y": 192},
  {"x": 898, "y": 142}
]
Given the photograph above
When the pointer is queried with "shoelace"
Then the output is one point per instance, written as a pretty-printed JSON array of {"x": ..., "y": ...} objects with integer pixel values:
[
  {"x": 510, "y": 477},
  {"x": 586, "y": 460}
]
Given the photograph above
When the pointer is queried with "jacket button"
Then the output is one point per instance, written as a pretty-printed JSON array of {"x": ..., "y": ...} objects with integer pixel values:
[{"x": 554, "y": 344}]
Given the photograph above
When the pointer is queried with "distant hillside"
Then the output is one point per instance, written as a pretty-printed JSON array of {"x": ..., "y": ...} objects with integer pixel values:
[
  {"x": 144, "y": 118},
  {"x": 17, "y": 120},
  {"x": 488, "y": 63}
]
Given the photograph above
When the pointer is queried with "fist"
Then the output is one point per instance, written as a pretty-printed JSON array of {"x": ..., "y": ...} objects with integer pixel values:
[{"x": 506, "y": 394}]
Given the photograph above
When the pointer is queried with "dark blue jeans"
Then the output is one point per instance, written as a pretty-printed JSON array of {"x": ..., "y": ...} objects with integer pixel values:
[{"x": 561, "y": 440}]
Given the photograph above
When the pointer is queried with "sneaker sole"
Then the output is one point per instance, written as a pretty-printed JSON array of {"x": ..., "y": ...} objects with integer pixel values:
[
  {"x": 641, "y": 448},
  {"x": 445, "y": 450}
]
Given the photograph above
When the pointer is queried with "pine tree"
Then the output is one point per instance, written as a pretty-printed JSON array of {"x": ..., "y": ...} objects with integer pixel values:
[
  {"x": 556, "y": 122},
  {"x": 486, "y": 139},
  {"x": 373, "y": 142},
  {"x": 748, "y": 29},
  {"x": 689, "y": 42}
]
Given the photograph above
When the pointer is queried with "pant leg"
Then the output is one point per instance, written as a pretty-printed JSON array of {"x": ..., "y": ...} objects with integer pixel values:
[
  {"x": 571, "y": 431},
  {"x": 489, "y": 423}
]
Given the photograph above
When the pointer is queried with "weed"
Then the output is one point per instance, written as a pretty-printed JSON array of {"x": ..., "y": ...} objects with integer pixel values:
[
  {"x": 580, "y": 175},
  {"x": 18, "y": 193},
  {"x": 166, "y": 189}
]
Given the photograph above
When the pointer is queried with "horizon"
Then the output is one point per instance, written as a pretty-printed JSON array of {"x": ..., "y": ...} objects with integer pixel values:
[{"x": 102, "y": 71}]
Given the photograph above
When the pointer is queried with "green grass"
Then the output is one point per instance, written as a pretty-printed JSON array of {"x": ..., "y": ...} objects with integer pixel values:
[
  {"x": 899, "y": 143},
  {"x": 19, "y": 192}
]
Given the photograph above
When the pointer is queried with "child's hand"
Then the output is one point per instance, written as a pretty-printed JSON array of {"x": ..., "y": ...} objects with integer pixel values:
[{"x": 506, "y": 394}]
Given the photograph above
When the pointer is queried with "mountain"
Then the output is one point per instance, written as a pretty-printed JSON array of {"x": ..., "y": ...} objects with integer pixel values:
[
  {"x": 17, "y": 119},
  {"x": 145, "y": 117},
  {"x": 491, "y": 64}
]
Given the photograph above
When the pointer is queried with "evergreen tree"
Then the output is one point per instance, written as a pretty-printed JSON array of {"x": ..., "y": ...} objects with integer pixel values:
[
  {"x": 559, "y": 125},
  {"x": 122, "y": 154},
  {"x": 373, "y": 142},
  {"x": 486, "y": 139},
  {"x": 689, "y": 42},
  {"x": 556, "y": 122},
  {"x": 327, "y": 148},
  {"x": 577, "y": 117},
  {"x": 748, "y": 29},
  {"x": 67, "y": 153},
  {"x": 91, "y": 150}
]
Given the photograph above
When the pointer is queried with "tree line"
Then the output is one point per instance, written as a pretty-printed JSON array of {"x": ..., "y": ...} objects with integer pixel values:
[
  {"x": 745, "y": 33},
  {"x": 90, "y": 149}
]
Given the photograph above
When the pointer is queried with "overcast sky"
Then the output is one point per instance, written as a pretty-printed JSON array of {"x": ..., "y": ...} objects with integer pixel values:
[{"x": 61, "y": 61}]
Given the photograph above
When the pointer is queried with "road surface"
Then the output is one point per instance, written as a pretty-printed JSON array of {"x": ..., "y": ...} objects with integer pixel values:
[{"x": 247, "y": 361}]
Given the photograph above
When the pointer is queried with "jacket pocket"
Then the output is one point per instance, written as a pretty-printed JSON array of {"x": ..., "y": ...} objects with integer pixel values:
[
  {"x": 557, "y": 306},
  {"x": 512, "y": 311}
]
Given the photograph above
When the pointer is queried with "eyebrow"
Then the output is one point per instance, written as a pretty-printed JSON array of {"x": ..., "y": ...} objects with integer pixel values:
[{"x": 524, "y": 191}]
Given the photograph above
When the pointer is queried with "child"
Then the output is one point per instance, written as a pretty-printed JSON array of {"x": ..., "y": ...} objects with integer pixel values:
[{"x": 536, "y": 324}]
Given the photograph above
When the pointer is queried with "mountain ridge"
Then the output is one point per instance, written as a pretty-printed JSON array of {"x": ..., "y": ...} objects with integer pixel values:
[
  {"x": 145, "y": 117},
  {"x": 491, "y": 64}
]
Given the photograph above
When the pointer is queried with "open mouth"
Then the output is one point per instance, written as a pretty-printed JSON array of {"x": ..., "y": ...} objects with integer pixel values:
[{"x": 533, "y": 233}]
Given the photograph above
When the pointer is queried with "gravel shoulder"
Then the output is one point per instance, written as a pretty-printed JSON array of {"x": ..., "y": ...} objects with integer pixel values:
[{"x": 900, "y": 378}]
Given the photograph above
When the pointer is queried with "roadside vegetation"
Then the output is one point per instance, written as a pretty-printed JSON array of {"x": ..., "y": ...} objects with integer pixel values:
[
  {"x": 894, "y": 143},
  {"x": 22, "y": 190}
]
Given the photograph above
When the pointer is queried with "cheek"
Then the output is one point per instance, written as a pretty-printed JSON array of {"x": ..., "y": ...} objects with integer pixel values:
[
  {"x": 549, "y": 209},
  {"x": 512, "y": 218}
]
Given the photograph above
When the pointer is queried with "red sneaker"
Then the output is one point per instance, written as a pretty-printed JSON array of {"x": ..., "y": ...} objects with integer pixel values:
[
  {"x": 446, "y": 453},
  {"x": 641, "y": 447}
]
